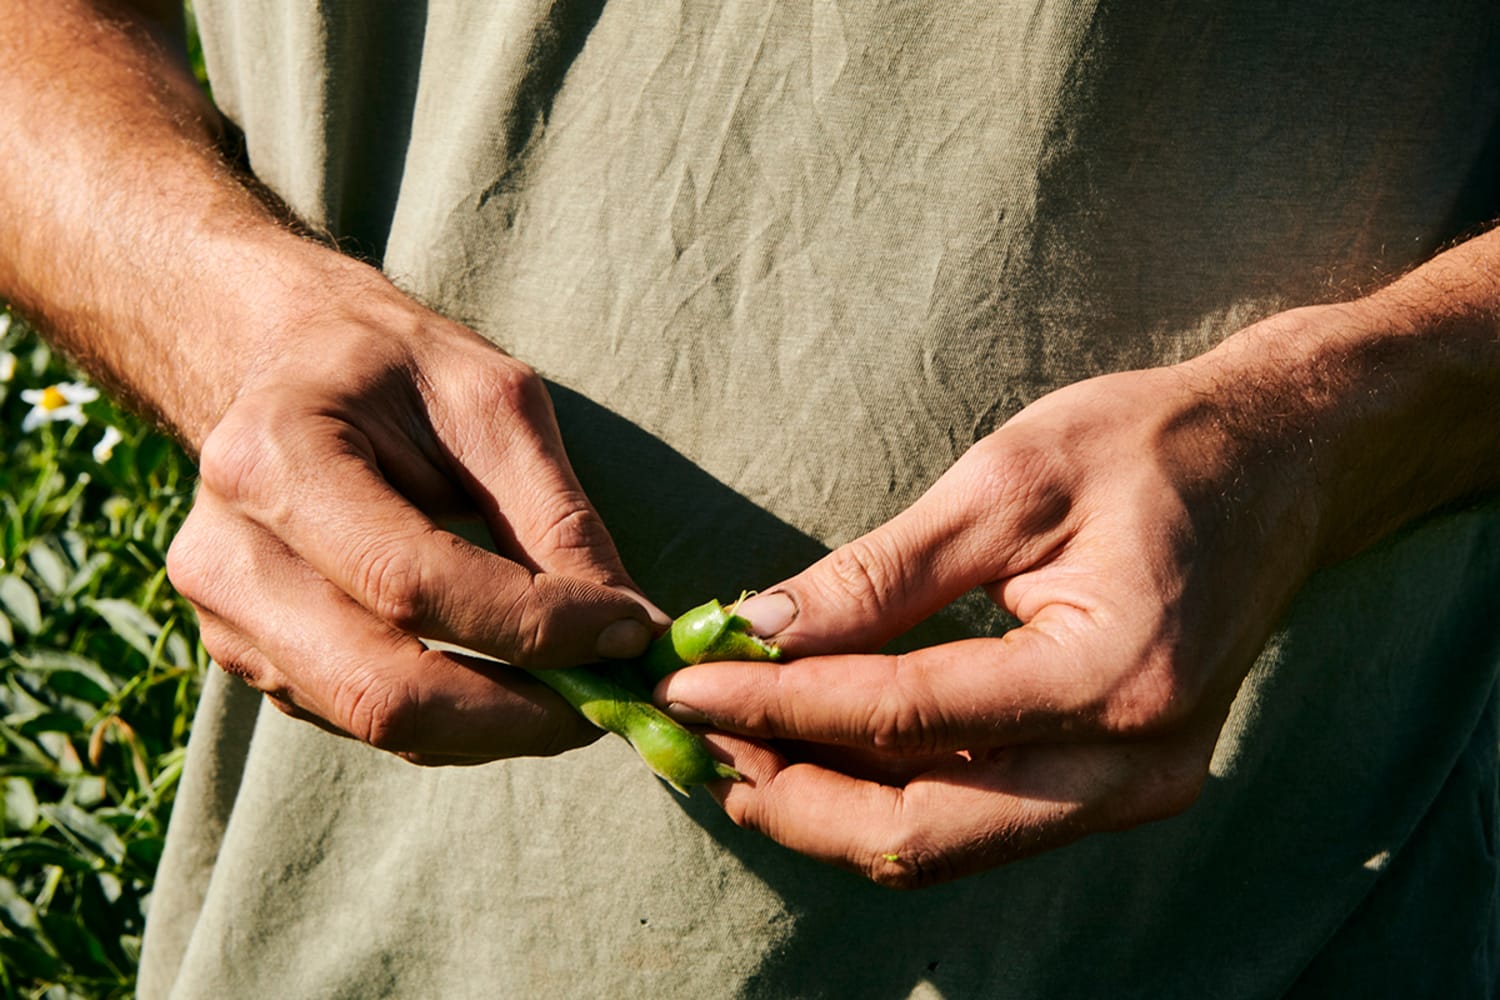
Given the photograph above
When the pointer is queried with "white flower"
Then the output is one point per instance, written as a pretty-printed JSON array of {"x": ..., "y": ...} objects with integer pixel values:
[
  {"x": 106, "y": 445},
  {"x": 4, "y": 323},
  {"x": 55, "y": 403},
  {"x": 7, "y": 365}
]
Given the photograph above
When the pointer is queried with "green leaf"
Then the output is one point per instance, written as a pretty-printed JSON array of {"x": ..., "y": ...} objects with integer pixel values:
[
  {"x": 75, "y": 546},
  {"x": 27, "y": 959},
  {"x": 88, "y": 790},
  {"x": 50, "y": 722},
  {"x": 17, "y": 745},
  {"x": 20, "y": 600},
  {"x": 109, "y": 886},
  {"x": 80, "y": 687},
  {"x": 26, "y": 948},
  {"x": 50, "y": 661},
  {"x": 130, "y": 623},
  {"x": 87, "y": 573},
  {"x": 76, "y": 943},
  {"x": 60, "y": 659},
  {"x": 37, "y": 853},
  {"x": 179, "y": 653},
  {"x": 18, "y": 807},
  {"x": 61, "y": 750},
  {"x": 151, "y": 453},
  {"x": 146, "y": 851},
  {"x": 89, "y": 830},
  {"x": 16, "y": 910},
  {"x": 14, "y": 530},
  {"x": 50, "y": 567}
]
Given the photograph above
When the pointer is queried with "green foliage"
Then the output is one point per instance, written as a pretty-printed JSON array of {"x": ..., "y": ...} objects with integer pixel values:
[
  {"x": 194, "y": 46},
  {"x": 100, "y": 667}
]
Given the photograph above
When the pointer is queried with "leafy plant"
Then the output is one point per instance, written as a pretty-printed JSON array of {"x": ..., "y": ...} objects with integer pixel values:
[{"x": 100, "y": 667}]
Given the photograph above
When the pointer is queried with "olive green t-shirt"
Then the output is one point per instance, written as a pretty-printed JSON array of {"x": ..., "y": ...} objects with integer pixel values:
[{"x": 783, "y": 262}]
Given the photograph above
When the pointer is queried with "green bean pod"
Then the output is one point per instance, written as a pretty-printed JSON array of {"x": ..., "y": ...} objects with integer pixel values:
[
  {"x": 675, "y": 753},
  {"x": 708, "y": 632}
]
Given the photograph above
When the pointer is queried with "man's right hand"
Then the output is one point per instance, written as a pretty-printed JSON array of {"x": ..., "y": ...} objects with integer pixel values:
[
  {"x": 338, "y": 422},
  {"x": 315, "y": 557}
]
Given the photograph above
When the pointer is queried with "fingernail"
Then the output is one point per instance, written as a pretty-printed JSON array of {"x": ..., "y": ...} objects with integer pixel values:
[
  {"x": 658, "y": 616},
  {"x": 686, "y": 714},
  {"x": 768, "y": 614},
  {"x": 623, "y": 639}
]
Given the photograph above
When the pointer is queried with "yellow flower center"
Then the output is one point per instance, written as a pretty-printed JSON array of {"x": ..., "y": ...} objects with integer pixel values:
[{"x": 52, "y": 399}]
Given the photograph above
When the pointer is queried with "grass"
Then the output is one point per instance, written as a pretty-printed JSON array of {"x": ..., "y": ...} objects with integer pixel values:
[{"x": 100, "y": 667}]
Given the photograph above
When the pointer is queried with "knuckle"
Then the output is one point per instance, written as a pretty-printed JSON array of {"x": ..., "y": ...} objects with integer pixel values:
[
  {"x": 1148, "y": 703},
  {"x": 512, "y": 387},
  {"x": 238, "y": 457},
  {"x": 1177, "y": 793},
  {"x": 529, "y": 636},
  {"x": 1002, "y": 466},
  {"x": 286, "y": 708},
  {"x": 1151, "y": 700},
  {"x": 189, "y": 562},
  {"x": 864, "y": 575},
  {"x": 991, "y": 468},
  {"x": 391, "y": 583},
  {"x": 911, "y": 865},
  {"x": 576, "y": 528},
  {"x": 425, "y": 760},
  {"x": 230, "y": 660},
  {"x": 1163, "y": 788},
  {"x": 385, "y": 714},
  {"x": 1020, "y": 481},
  {"x": 902, "y": 721},
  {"x": 738, "y": 811}
]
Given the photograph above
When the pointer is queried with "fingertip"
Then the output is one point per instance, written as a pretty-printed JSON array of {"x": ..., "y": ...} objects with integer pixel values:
[
  {"x": 623, "y": 639},
  {"x": 660, "y": 620},
  {"x": 683, "y": 694},
  {"x": 769, "y": 614},
  {"x": 686, "y": 714}
]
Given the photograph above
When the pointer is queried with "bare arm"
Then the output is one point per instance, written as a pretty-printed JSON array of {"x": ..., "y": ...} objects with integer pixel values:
[
  {"x": 335, "y": 418},
  {"x": 1393, "y": 407},
  {"x": 127, "y": 235}
]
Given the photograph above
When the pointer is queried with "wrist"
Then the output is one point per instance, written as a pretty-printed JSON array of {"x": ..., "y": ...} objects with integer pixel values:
[
  {"x": 270, "y": 306},
  {"x": 219, "y": 316},
  {"x": 1374, "y": 412}
]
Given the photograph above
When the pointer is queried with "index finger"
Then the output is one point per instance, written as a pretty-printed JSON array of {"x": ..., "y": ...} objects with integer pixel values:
[
  {"x": 1055, "y": 677},
  {"x": 321, "y": 491}
]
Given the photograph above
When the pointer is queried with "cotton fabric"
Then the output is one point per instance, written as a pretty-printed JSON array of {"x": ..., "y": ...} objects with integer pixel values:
[{"x": 783, "y": 262}]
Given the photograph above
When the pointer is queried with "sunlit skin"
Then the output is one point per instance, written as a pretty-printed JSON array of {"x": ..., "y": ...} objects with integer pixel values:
[{"x": 1147, "y": 528}]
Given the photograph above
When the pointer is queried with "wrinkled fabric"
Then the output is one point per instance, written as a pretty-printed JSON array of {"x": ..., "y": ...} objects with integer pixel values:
[{"x": 782, "y": 263}]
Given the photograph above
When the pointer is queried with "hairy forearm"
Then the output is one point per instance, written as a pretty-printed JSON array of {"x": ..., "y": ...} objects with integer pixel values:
[
  {"x": 1379, "y": 410},
  {"x": 125, "y": 234}
]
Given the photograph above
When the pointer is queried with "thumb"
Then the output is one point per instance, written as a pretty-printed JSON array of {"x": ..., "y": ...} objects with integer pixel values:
[{"x": 956, "y": 537}]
